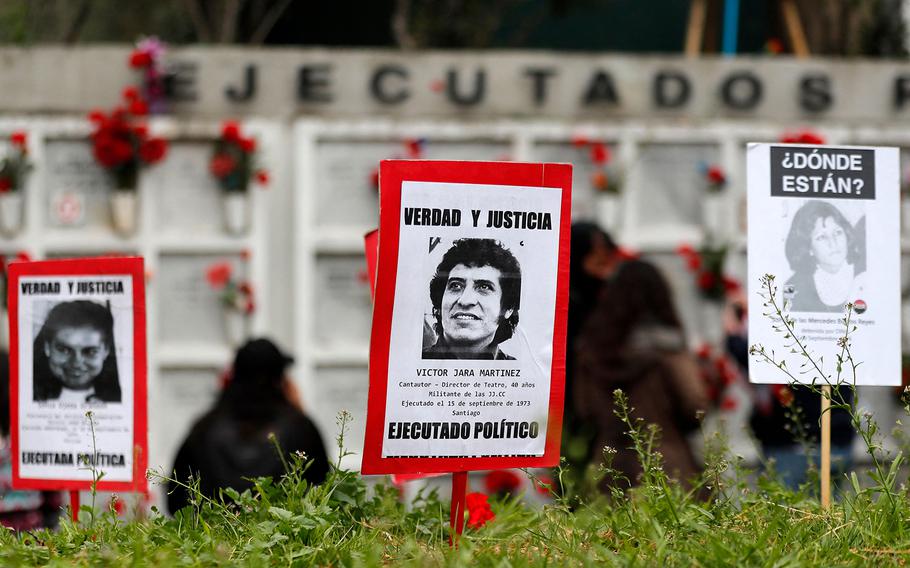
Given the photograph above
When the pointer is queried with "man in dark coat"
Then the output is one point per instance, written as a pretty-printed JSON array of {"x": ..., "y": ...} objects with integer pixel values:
[{"x": 230, "y": 444}]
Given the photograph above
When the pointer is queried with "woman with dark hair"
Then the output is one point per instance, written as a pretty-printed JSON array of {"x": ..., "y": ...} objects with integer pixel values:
[
  {"x": 827, "y": 256},
  {"x": 74, "y": 358},
  {"x": 230, "y": 446},
  {"x": 634, "y": 342},
  {"x": 593, "y": 257}
]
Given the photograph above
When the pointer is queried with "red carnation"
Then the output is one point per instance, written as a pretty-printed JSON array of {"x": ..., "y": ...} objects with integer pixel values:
[
  {"x": 130, "y": 93},
  {"x": 414, "y": 148},
  {"x": 248, "y": 145},
  {"x": 97, "y": 116},
  {"x": 140, "y": 59},
  {"x": 716, "y": 175},
  {"x": 774, "y": 45},
  {"x": 693, "y": 262},
  {"x": 502, "y": 481},
  {"x": 479, "y": 511},
  {"x": 374, "y": 178},
  {"x": 685, "y": 250},
  {"x": 218, "y": 274},
  {"x": 18, "y": 138},
  {"x": 262, "y": 177},
  {"x": 730, "y": 285},
  {"x": 139, "y": 107},
  {"x": 599, "y": 180},
  {"x": 728, "y": 403},
  {"x": 783, "y": 394},
  {"x": 600, "y": 154},
  {"x": 544, "y": 485},
  {"x": 222, "y": 166},
  {"x": 153, "y": 150},
  {"x": 5, "y": 184},
  {"x": 230, "y": 131},
  {"x": 704, "y": 351},
  {"x": 580, "y": 141},
  {"x": 706, "y": 280}
]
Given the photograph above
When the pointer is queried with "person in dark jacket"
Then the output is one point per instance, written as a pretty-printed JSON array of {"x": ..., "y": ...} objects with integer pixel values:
[
  {"x": 634, "y": 342},
  {"x": 230, "y": 444},
  {"x": 593, "y": 258}
]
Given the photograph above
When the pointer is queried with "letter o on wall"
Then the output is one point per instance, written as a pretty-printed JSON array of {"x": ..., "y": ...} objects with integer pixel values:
[{"x": 741, "y": 91}]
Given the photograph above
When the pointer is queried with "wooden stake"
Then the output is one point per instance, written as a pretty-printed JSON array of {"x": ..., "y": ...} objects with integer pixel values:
[
  {"x": 795, "y": 30},
  {"x": 74, "y": 505},
  {"x": 695, "y": 31},
  {"x": 456, "y": 515},
  {"x": 826, "y": 447}
]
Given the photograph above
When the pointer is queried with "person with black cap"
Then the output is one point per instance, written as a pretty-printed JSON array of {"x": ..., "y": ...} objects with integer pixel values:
[{"x": 230, "y": 444}]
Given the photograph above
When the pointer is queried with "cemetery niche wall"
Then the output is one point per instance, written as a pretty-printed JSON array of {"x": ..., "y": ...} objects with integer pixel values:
[{"x": 640, "y": 131}]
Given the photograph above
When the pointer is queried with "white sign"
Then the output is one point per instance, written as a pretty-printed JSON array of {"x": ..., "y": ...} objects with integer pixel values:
[
  {"x": 491, "y": 273},
  {"x": 824, "y": 221}
]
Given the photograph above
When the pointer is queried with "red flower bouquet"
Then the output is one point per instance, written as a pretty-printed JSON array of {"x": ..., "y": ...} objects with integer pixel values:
[
  {"x": 707, "y": 265},
  {"x": 233, "y": 160},
  {"x": 121, "y": 143},
  {"x": 235, "y": 295},
  {"x": 600, "y": 157},
  {"x": 15, "y": 166}
]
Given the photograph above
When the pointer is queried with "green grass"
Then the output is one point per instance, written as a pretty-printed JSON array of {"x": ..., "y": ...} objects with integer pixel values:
[
  {"x": 731, "y": 516},
  {"x": 749, "y": 520}
]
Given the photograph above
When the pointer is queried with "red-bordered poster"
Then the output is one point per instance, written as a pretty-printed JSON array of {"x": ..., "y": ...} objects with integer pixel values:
[
  {"x": 467, "y": 353},
  {"x": 77, "y": 345}
]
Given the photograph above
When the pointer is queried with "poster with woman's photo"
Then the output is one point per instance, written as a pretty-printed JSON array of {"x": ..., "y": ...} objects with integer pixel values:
[
  {"x": 78, "y": 373},
  {"x": 824, "y": 222},
  {"x": 466, "y": 368}
]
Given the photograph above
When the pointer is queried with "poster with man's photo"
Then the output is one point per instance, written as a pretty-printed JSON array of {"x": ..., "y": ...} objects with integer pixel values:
[
  {"x": 467, "y": 357},
  {"x": 78, "y": 374},
  {"x": 824, "y": 222}
]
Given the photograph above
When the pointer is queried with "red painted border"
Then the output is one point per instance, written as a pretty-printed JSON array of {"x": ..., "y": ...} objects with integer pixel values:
[
  {"x": 131, "y": 266},
  {"x": 392, "y": 174}
]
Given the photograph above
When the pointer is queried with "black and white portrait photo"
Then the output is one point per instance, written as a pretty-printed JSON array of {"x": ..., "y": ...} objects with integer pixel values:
[
  {"x": 74, "y": 354},
  {"x": 827, "y": 254},
  {"x": 475, "y": 295}
]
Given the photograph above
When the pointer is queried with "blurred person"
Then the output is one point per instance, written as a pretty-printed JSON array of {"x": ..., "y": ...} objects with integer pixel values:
[
  {"x": 74, "y": 355},
  {"x": 20, "y": 510},
  {"x": 634, "y": 341},
  {"x": 230, "y": 444},
  {"x": 785, "y": 419},
  {"x": 593, "y": 258},
  {"x": 827, "y": 255},
  {"x": 476, "y": 294}
]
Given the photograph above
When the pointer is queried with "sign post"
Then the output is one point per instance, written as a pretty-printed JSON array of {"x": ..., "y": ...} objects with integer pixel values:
[
  {"x": 823, "y": 220},
  {"x": 467, "y": 354},
  {"x": 78, "y": 409}
]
